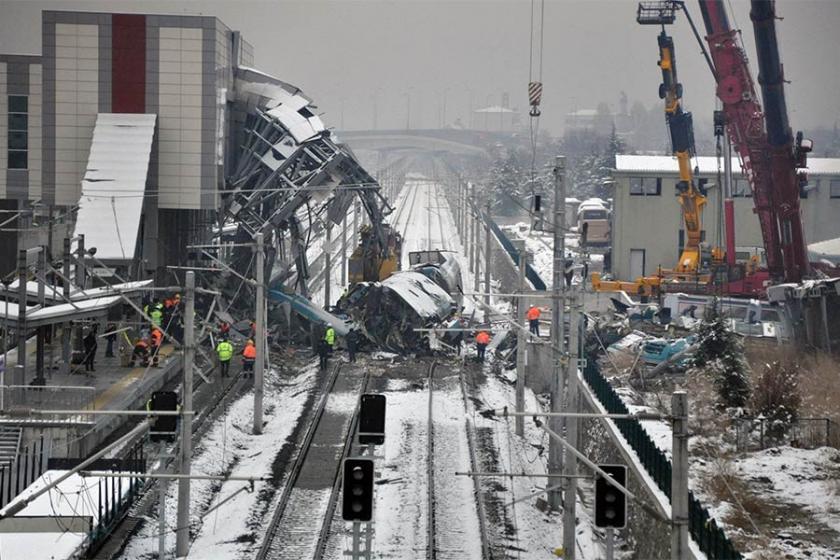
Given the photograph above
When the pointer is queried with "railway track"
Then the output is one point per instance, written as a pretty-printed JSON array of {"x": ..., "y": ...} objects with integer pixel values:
[
  {"x": 300, "y": 525},
  {"x": 401, "y": 212},
  {"x": 446, "y": 539}
]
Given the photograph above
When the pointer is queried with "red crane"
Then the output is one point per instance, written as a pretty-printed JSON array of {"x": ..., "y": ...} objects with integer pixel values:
[{"x": 769, "y": 162}]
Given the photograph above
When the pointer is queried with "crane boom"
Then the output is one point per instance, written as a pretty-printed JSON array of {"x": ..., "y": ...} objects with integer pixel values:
[
  {"x": 784, "y": 156},
  {"x": 681, "y": 130},
  {"x": 745, "y": 123}
]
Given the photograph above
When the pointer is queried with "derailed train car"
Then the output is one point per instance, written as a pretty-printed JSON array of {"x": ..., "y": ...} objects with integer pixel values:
[{"x": 389, "y": 312}]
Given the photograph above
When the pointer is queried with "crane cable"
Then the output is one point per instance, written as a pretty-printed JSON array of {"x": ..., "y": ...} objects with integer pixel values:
[{"x": 535, "y": 85}]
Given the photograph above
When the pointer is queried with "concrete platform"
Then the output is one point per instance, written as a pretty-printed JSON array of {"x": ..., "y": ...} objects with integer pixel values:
[{"x": 115, "y": 388}]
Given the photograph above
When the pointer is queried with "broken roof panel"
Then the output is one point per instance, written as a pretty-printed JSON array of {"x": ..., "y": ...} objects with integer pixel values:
[
  {"x": 115, "y": 184},
  {"x": 281, "y": 101}
]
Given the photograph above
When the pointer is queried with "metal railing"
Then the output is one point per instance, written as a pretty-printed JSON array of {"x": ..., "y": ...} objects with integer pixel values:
[
  {"x": 703, "y": 528},
  {"x": 50, "y": 397},
  {"x": 758, "y": 433},
  {"x": 530, "y": 272}
]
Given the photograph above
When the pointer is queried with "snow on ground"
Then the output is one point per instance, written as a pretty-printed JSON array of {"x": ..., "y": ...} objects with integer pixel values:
[
  {"x": 230, "y": 448},
  {"x": 537, "y": 532},
  {"x": 401, "y": 492},
  {"x": 794, "y": 500}
]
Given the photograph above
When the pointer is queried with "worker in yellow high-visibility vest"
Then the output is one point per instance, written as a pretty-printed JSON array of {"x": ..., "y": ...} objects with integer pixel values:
[{"x": 225, "y": 352}]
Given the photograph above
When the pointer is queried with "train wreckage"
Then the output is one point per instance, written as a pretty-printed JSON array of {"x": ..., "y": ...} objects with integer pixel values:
[{"x": 389, "y": 313}]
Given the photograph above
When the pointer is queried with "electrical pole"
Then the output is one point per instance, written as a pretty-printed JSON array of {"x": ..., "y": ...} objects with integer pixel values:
[
  {"x": 679, "y": 478},
  {"x": 470, "y": 233},
  {"x": 259, "y": 361},
  {"x": 487, "y": 253},
  {"x": 356, "y": 210},
  {"x": 522, "y": 341},
  {"x": 344, "y": 252},
  {"x": 572, "y": 405},
  {"x": 328, "y": 266},
  {"x": 555, "y": 451},
  {"x": 182, "y": 542},
  {"x": 80, "y": 282},
  {"x": 476, "y": 248},
  {"x": 40, "y": 332},
  {"x": 66, "y": 327},
  {"x": 21, "y": 325}
]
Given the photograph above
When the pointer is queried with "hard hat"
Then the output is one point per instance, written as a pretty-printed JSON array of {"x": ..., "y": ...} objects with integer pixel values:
[{"x": 249, "y": 341}]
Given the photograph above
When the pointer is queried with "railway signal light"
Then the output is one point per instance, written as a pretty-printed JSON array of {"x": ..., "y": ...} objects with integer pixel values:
[
  {"x": 610, "y": 502},
  {"x": 372, "y": 419},
  {"x": 164, "y": 427},
  {"x": 357, "y": 499}
]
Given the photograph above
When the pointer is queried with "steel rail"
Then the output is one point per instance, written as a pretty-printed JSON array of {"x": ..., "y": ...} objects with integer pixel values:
[
  {"x": 486, "y": 553},
  {"x": 431, "y": 545},
  {"x": 297, "y": 465},
  {"x": 326, "y": 523}
]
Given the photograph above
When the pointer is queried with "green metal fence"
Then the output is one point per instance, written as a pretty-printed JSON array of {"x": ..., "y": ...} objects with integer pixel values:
[{"x": 710, "y": 538}]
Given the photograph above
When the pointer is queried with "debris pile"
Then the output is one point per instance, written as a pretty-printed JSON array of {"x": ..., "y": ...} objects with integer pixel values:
[{"x": 389, "y": 312}]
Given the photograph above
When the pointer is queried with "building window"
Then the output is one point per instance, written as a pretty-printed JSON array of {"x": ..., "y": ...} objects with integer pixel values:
[
  {"x": 834, "y": 189},
  {"x": 741, "y": 188},
  {"x": 645, "y": 186},
  {"x": 18, "y": 136}
]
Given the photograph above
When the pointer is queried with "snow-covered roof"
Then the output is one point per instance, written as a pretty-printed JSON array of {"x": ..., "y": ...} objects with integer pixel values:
[
  {"x": 74, "y": 497},
  {"x": 51, "y": 292},
  {"x": 495, "y": 109},
  {"x": 58, "y": 313},
  {"x": 828, "y": 250},
  {"x": 708, "y": 165},
  {"x": 114, "y": 184},
  {"x": 55, "y": 293}
]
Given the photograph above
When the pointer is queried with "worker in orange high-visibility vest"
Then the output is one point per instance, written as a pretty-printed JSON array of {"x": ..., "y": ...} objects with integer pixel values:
[
  {"x": 157, "y": 341},
  {"x": 482, "y": 339},
  {"x": 533, "y": 316},
  {"x": 249, "y": 355}
]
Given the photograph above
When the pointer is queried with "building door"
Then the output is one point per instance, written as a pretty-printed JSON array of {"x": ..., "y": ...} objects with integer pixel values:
[{"x": 637, "y": 263}]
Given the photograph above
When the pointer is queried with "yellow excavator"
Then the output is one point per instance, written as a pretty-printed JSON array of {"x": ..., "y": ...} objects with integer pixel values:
[
  {"x": 695, "y": 264},
  {"x": 377, "y": 256}
]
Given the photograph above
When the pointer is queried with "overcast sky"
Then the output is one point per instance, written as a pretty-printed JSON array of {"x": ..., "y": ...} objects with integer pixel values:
[{"x": 353, "y": 56}]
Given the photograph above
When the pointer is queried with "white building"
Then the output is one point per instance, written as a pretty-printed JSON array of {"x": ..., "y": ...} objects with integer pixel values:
[{"x": 647, "y": 219}]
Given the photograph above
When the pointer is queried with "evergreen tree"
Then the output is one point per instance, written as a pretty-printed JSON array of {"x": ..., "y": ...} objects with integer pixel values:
[{"x": 720, "y": 354}]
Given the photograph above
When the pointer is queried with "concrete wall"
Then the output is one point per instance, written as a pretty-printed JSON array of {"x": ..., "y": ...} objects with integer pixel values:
[
  {"x": 178, "y": 67},
  {"x": 21, "y": 75},
  {"x": 653, "y": 222}
]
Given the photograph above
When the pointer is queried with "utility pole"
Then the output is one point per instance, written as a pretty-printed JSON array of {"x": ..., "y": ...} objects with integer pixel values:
[
  {"x": 80, "y": 281},
  {"x": 522, "y": 341},
  {"x": 21, "y": 325},
  {"x": 328, "y": 266},
  {"x": 182, "y": 539},
  {"x": 487, "y": 253},
  {"x": 470, "y": 227},
  {"x": 259, "y": 361},
  {"x": 679, "y": 478},
  {"x": 40, "y": 333},
  {"x": 572, "y": 405},
  {"x": 80, "y": 263},
  {"x": 356, "y": 211},
  {"x": 555, "y": 451},
  {"x": 475, "y": 251},
  {"x": 344, "y": 252},
  {"x": 65, "y": 289}
]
